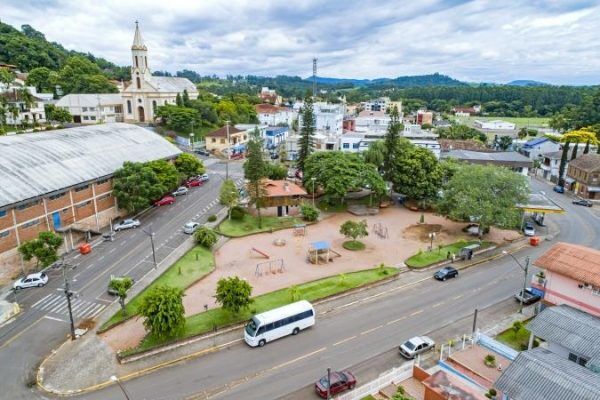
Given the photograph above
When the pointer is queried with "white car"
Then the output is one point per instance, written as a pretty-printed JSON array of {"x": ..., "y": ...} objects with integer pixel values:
[
  {"x": 127, "y": 224},
  {"x": 33, "y": 280},
  {"x": 529, "y": 230},
  {"x": 203, "y": 177},
  {"x": 180, "y": 190},
  {"x": 190, "y": 227},
  {"x": 416, "y": 345}
]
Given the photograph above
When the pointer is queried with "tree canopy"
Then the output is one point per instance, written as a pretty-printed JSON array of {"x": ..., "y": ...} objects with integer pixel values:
[
  {"x": 233, "y": 294},
  {"x": 163, "y": 311},
  {"x": 255, "y": 169},
  {"x": 189, "y": 165},
  {"x": 44, "y": 248},
  {"x": 229, "y": 196},
  {"x": 135, "y": 186},
  {"x": 306, "y": 143}
]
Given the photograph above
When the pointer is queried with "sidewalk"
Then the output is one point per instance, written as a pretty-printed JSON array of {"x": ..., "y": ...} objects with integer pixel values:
[{"x": 87, "y": 364}]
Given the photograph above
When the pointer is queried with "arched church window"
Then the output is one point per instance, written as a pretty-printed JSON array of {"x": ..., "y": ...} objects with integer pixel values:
[
  {"x": 146, "y": 61},
  {"x": 136, "y": 61},
  {"x": 154, "y": 105},
  {"x": 139, "y": 82},
  {"x": 128, "y": 106}
]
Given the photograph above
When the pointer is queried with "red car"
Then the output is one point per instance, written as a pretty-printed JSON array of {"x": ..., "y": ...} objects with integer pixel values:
[
  {"x": 193, "y": 183},
  {"x": 340, "y": 381},
  {"x": 237, "y": 156},
  {"x": 167, "y": 200}
]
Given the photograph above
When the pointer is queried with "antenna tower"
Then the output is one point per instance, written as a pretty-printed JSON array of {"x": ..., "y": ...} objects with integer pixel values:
[{"x": 314, "y": 77}]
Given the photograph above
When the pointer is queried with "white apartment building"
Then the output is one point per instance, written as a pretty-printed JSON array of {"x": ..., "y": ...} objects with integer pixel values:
[
  {"x": 356, "y": 142},
  {"x": 270, "y": 115},
  {"x": 371, "y": 121},
  {"x": 17, "y": 110},
  {"x": 383, "y": 104},
  {"x": 93, "y": 108},
  {"x": 329, "y": 118}
]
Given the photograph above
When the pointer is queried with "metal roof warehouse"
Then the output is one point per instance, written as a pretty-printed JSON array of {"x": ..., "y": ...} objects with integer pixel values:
[{"x": 36, "y": 164}]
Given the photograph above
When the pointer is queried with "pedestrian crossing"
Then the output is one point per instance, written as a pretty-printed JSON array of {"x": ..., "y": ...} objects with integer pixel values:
[{"x": 57, "y": 304}]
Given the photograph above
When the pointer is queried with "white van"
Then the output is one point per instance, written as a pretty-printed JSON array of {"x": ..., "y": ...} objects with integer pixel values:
[{"x": 279, "y": 322}]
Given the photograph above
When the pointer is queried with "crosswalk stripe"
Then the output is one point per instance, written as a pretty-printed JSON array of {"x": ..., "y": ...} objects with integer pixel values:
[
  {"x": 85, "y": 309},
  {"x": 41, "y": 300},
  {"x": 52, "y": 303},
  {"x": 102, "y": 306}
]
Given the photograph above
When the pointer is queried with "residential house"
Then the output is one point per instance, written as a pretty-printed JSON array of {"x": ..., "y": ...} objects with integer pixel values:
[
  {"x": 274, "y": 135},
  {"x": 422, "y": 138},
  {"x": 62, "y": 181},
  {"x": 226, "y": 138},
  {"x": 19, "y": 110},
  {"x": 271, "y": 115},
  {"x": 383, "y": 104},
  {"x": 282, "y": 194},
  {"x": 466, "y": 111},
  {"x": 93, "y": 108},
  {"x": 550, "y": 165},
  {"x": 371, "y": 121},
  {"x": 424, "y": 117},
  {"x": 584, "y": 175},
  {"x": 509, "y": 159},
  {"x": 572, "y": 277},
  {"x": 328, "y": 117},
  {"x": 534, "y": 148},
  {"x": 497, "y": 125},
  {"x": 566, "y": 367},
  {"x": 269, "y": 96}
]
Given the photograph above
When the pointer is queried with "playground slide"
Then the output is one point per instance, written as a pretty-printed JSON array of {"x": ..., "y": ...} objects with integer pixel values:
[
  {"x": 265, "y": 255},
  {"x": 335, "y": 252}
]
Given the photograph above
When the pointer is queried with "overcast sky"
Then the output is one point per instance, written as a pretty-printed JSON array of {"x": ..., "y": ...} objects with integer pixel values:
[{"x": 493, "y": 41}]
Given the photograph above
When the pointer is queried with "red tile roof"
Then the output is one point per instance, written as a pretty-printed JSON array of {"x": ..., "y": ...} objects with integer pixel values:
[
  {"x": 574, "y": 261},
  {"x": 222, "y": 132},
  {"x": 269, "y": 109},
  {"x": 282, "y": 188}
]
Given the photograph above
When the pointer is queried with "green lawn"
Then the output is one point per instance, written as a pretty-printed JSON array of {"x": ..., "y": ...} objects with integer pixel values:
[
  {"x": 337, "y": 206},
  {"x": 369, "y": 397},
  {"x": 426, "y": 258},
  {"x": 537, "y": 122},
  {"x": 249, "y": 225},
  {"x": 207, "y": 321},
  {"x": 518, "y": 341},
  {"x": 195, "y": 264},
  {"x": 353, "y": 245}
]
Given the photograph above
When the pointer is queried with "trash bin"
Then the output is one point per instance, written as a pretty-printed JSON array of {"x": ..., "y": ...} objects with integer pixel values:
[
  {"x": 534, "y": 241},
  {"x": 85, "y": 248}
]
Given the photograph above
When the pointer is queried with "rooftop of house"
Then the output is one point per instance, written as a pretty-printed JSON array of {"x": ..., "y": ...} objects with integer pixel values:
[
  {"x": 450, "y": 386},
  {"x": 34, "y": 164},
  {"x": 553, "y": 155},
  {"x": 89, "y": 100},
  {"x": 269, "y": 109},
  {"x": 536, "y": 142},
  {"x": 587, "y": 162},
  {"x": 539, "y": 374},
  {"x": 573, "y": 329},
  {"x": 282, "y": 188},
  {"x": 499, "y": 157},
  {"x": 452, "y": 144},
  {"x": 574, "y": 261},
  {"x": 222, "y": 132},
  {"x": 366, "y": 114}
]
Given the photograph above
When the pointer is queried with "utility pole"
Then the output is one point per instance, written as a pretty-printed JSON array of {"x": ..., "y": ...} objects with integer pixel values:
[
  {"x": 228, "y": 151},
  {"x": 68, "y": 294},
  {"x": 474, "y": 323},
  {"x": 526, "y": 272},
  {"x": 314, "y": 88},
  {"x": 328, "y": 383},
  {"x": 151, "y": 234}
]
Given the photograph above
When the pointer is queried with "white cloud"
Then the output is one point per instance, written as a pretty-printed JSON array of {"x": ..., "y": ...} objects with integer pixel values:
[{"x": 481, "y": 40}]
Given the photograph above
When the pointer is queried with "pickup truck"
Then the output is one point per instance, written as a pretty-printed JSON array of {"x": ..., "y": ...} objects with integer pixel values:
[{"x": 529, "y": 297}]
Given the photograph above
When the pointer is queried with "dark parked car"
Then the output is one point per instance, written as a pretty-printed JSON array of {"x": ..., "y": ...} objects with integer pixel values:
[
  {"x": 340, "y": 381},
  {"x": 446, "y": 273},
  {"x": 559, "y": 189},
  {"x": 583, "y": 202},
  {"x": 202, "y": 152},
  {"x": 530, "y": 296}
]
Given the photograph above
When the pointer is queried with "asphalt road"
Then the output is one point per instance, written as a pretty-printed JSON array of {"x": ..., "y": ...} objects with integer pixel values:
[
  {"x": 44, "y": 322},
  {"x": 355, "y": 333}
]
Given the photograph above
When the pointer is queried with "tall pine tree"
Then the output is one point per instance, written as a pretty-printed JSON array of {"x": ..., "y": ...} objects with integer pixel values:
[
  {"x": 390, "y": 143},
  {"x": 255, "y": 169},
  {"x": 185, "y": 99},
  {"x": 306, "y": 143},
  {"x": 178, "y": 100},
  {"x": 563, "y": 164}
]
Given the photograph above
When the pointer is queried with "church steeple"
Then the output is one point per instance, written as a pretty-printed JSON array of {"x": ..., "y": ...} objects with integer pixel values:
[{"x": 140, "y": 71}]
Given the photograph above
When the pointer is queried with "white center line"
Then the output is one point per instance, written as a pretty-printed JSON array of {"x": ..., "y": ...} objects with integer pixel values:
[
  {"x": 344, "y": 340},
  {"x": 396, "y": 320},
  {"x": 371, "y": 330}
]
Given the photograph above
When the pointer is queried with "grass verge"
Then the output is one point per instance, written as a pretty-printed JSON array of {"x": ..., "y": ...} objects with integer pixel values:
[
  {"x": 193, "y": 265},
  {"x": 426, "y": 258},
  {"x": 249, "y": 225},
  {"x": 517, "y": 340},
  {"x": 353, "y": 245},
  {"x": 207, "y": 321}
]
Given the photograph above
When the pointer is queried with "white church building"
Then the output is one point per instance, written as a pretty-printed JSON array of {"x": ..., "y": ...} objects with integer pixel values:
[{"x": 146, "y": 92}]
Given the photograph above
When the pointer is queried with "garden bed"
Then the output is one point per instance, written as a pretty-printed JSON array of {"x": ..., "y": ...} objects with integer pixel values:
[
  {"x": 424, "y": 259},
  {"x": 516, "y": 340}
]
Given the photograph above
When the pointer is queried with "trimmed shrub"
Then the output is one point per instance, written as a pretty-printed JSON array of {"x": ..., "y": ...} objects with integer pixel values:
[
  {"x": 212, "y": 218},
  {"x": 309, "y": 213},
  {"x": 206, "y": 237},
  {"x": 237, "y": 213}
]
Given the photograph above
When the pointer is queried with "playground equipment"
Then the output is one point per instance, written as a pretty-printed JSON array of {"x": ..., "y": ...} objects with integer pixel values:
[
  {"x": 279, "y": 242},
  {"x": 380, "y": 230},
  {"x": 300, "y": 230},
  {"x": 270, "y": 267},
  {"x": 321, "y": 252},
  {"x": 262, "y": 253}
]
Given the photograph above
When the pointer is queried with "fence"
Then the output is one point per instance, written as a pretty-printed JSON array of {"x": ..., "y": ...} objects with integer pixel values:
[
  {"x": 396, "y": 375},
  {"x": 497, "y": 347}
]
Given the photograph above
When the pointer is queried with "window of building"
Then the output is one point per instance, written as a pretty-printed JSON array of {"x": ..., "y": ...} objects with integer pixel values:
[
  {"x": 80, "y": 205},
  {"x": 119, "y": 109},
  {"x": 80, "y": 188},
  {"x": 222, "y": 141},
  {"x": 84, "y": 109},
  {"x": 596, "y": 290},
  {"x": 27, "y": 205},
  {"x": 31, "y": 223},
  {"x": 56, "y": 196},
  {"x": 105, "y": 196},
  {"x": 578, "y": 359},
  {"x": 3, "y": 213},
  {"x": 93, "y": 118},
  {"x": 346, "y": 145},
  {"x": 154, "y": 105},
  {"x": 129, "y": 106},
  {"x": 4, "y": 234},
  {"x": 85, "y": 117},
  {"x": 102, "y": 181},
  {"x": 138, "y": 82},
  {"x": 92, "y": 108},
  {"x": 355, "y": 145}
]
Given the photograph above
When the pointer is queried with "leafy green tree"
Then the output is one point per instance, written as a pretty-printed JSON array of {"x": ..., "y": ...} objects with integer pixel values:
[
  {"x": 121, "y": 286},
  {"x": 57, "y": 114},
  {"x": 338, "y": 172},
  {"x": 309, "y": 213},
  {"x": 6, "y": 77},
  {"x": 43, "y": 79},
  {"x": 461, "y": 132},
  {"x": 80, "y": 75},
  {"x": 44, "y": 248},
  {"x": 276, "y": 171},
  {"x": 185, "y": 98},
  {"x": 166, "y": 173},
  {"x": 163, "y": 311},
  {"x": 234, "y": 294},
  {"x": 375, "y": 154},
  {"x": 229, "y": 195},
  {"x": 179, "y": 100},
  {"x": 255, "y": 169},
  {"x": 135, "y": 186},
  {"x": 180, "y": 119},
  {"x": 306, "y": 143},
  {"x": 189, "y": 165},
  {"x": 522, "y": 134},
  {"x": 391, "y": 139},
  {"x": 486, "y": 193},
  {"x": 504, "y": 142},
  {"x": 354, "y": 229},
  {"x": 206, "y": 237}
]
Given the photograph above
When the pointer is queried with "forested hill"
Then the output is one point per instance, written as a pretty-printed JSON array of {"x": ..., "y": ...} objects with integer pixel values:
[{"x": 29, "y": 49}]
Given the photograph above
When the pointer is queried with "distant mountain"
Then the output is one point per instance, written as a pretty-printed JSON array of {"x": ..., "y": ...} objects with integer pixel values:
[
  {"x": 401, "y": 81},
  {"x": 526, "y": 82}
]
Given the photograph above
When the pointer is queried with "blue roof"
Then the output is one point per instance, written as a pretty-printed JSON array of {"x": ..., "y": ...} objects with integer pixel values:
[
  {"x": 535, "y": 142},
  {"x": 323, "y": 245}
]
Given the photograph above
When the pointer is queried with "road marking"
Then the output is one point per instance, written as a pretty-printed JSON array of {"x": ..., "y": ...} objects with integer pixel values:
[
  {"x": 54, "y": 319},
  {"x": 477, "y": 289},
  {"x": 457, "y": 297},
  {"x": 344, "y": 340},
  {"x": 416, "y": 312},
  {"x": 41, "y": 300},
  {"x": 396, "y": 320},
  {"x": 101, "y": 258},
  {"x": 89, "y": 266},
  {"x": 12, "y": 339},
  {"x": 371, "y": 330},
  {"x": 285, "y": 364},
  {"x": 438, "y": 304}
]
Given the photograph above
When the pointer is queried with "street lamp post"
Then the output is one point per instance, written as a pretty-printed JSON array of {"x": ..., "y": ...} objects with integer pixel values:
[
  {"x": 151, "y": 234},
  {"x": 431, "y": 236},
  {"x": 313, "y": 179},
  {"x": 228, "y": 151},
  {"x": 118, "y": 382},
  {"x": 328, "y": 383},
  {"x": 68, "y": 294},
  {"x": 525, "y": 269}
]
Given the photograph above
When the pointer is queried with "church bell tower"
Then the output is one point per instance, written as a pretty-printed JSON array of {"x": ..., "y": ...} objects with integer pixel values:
[{"x": 139, "y": 59}]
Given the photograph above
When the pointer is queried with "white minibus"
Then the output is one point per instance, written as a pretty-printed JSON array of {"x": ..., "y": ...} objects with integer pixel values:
[{"x": 279, "y": 322}]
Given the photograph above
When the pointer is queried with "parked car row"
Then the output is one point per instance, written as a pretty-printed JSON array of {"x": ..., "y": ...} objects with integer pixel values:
[{"x": 195, "y": 181}]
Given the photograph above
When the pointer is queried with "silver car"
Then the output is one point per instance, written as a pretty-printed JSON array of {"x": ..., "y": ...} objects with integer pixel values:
[
  {"x": 180, "y": 190},
  {"x": 416, "y": 345},
  {"x": 190, "y": 227},
  {"x": 126, "y": 224},
  {"x": 32, "y": 280}
]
